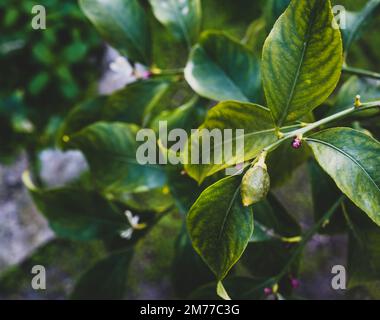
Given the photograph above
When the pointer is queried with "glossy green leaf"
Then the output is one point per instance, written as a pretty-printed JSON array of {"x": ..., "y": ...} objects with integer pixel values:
[
  {"x": 106, "y": 280},
  {"x": 277, "y": 232},
  {"x": 123, "y": 24},
  {"x": 302, "y": 60},
  {"x": 260, "y": 263},
  {"x": 272, "y": 10},
  {"x": 133, "y": 104},
  {"x": 351, "y": 158},
  {"x": 364, "y": 254},
  {"x": 219, "y": 226},
  {"x": 82, "y": 115},
  {"x": 221, "y": 68},
  {"x": 156, "y": 200},
  {"x": 184, "y": 189},
  {"x": 258, "y": 129},
  {"x": 255, "y": 35},
  {"x": 79, "y": 214},
  {"x": 182, "y": 18},
  {"x": 291, "y": 159},
  {"x": 325, "y": 194},
  {"x": 364, "y": 265},
  {"x": 187, "y": 117},
  {"x": 110, "y": 149},
  {"x": 272, "y": 221},
  {"x": 357, "y": 21},
  {"x": 187, "y": 261}
]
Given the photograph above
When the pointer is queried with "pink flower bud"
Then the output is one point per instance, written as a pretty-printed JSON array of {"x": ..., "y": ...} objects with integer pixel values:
[
  {"x": 146, "y": 75},
  {"x": 297, "y": 143},
  {"x": 268, "y": 291},
  {"x": 295, "y": 283}
]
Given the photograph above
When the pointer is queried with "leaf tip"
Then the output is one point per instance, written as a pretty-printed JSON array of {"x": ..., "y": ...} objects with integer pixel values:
[{"x": 221, "y": 291}]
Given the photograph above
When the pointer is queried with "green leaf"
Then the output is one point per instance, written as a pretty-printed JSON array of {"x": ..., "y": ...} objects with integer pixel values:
[
  {"x": 302, "y": 60},
  {"x": 255, "y": 35},
  {"x": 136, "y": 102},
  {"x": 356, "y": 22},
  {"x": 351, "y": 158},
  {"x": 291, "y": 159},
  {"x": 184, "y": 189},
  {"x": 182, "y": 18},
  {"x": 106, "y": 280},
  {"x": 364, "y": 254},
  {"x": 368, "y": 89},
  {"x": 123, "y": 24},
  {"x": 221, "y": 291},
  {"x": 273, "y": 9},
  {"x": 82, "y": 115},
  {"x": 133, "y": 104},
  {"x": 156, "y": 200},
  {"x": 219, "y": 226},
  {"x": 78, "y": 214},
  {"x": 187, "y": 261},
  {"x": 221, "y": 68},
  {"x": 110, "y": 149},
  {"x": 325, "y": 194},
  {"x": 188, "y": 116},
  {"x": 258, "y": 129},
  {"x": 266, "y": 259},
  {"x": 277, "y": 232},
  {"x": 272, "y": 221}
]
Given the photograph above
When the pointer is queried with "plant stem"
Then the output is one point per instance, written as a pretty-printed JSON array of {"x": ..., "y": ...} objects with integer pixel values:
[
  {"x": 361, "y": 72},
  {"x": 314, "y": 125},
  {"x": 309, "y": 235},
  {"x": 166, "y": 72}
]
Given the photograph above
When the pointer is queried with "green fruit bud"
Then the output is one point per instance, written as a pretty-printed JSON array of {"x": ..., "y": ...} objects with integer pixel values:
[{"x": 255, "y": 185}]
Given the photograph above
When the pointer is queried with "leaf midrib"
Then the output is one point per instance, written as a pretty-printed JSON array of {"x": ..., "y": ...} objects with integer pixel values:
[
  {"x": 229, "y": 209},
  {"x": 348, "y": 156},
  {"x": 298, "y": 72}
]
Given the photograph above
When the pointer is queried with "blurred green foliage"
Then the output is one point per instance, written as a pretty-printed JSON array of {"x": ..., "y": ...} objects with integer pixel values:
[{"x": 43, "y": 72}]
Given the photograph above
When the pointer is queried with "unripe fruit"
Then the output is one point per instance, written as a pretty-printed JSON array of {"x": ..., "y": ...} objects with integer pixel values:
[{"x": 255, "y": 185}]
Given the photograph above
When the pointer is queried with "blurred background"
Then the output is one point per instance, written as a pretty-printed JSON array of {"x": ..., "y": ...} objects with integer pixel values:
[{"x": 44, "y": 74}]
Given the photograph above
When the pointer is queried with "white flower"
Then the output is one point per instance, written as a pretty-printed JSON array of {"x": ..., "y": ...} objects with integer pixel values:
[
  {"x": 126, "y": 234},
  {"x": 133, "y": 220},
  {"x": 120, "y": 72},
  {"x": 141, "y": 71},
  {"x": 135, "y": 225},
  {"x": 123, "y": 69}
]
